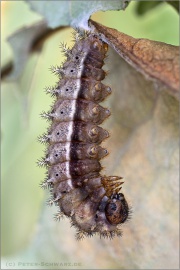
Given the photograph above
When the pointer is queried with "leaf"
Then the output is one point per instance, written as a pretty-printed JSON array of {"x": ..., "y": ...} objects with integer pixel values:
[
  {"x": 21, "y": 42},
  {"x": 145, "y": 6},
  {"x": 74, "y": 13},
  {"x": 174, "y": 4},
  {"x": 158, "y": 61}
]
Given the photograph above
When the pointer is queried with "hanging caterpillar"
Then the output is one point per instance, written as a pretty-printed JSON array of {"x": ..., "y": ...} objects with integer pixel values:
[{"x": 91, "y": 200}]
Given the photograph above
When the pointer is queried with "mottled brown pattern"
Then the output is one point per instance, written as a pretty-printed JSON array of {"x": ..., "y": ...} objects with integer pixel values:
[{"x": 156, "y": 60}]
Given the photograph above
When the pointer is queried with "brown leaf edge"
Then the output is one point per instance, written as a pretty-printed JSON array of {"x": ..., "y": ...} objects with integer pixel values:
[{"x": 157, "y": 61}]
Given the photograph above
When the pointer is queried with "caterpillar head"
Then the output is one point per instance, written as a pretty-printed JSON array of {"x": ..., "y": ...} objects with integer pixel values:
[{"x": 117, "y": 209}]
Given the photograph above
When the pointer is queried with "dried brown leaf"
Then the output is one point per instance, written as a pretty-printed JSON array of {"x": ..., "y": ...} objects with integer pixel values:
[{"x": 156, "y": 60}]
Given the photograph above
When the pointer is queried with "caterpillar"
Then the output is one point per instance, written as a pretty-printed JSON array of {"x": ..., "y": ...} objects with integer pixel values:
[{"x": 92, "y": 201}]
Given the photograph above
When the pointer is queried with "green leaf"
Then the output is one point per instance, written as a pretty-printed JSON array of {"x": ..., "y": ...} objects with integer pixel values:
[
  {"x": 145, "y": 6},
  {"x": 74, "y": 13},
  {"x": 21, "y": 42},
  {"x": 174, "y": 4}
]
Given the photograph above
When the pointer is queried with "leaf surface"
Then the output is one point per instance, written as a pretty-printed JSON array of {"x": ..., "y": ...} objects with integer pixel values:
[
  {"x": 156, "y": 60},
  {"x": 74, "y": 13}
]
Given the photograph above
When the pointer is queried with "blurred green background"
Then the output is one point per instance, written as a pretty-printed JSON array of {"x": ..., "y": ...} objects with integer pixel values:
[{"x": 22, "y": 200}]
